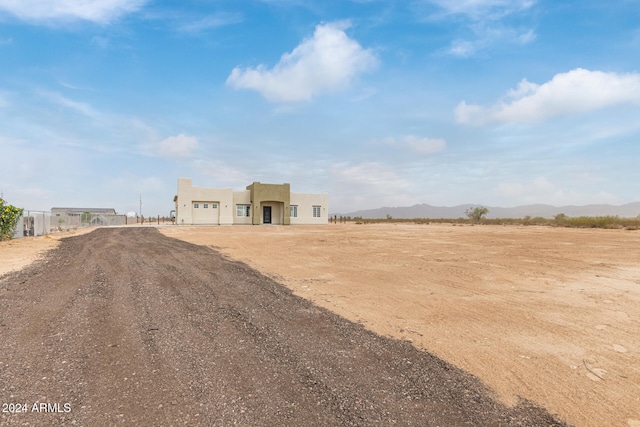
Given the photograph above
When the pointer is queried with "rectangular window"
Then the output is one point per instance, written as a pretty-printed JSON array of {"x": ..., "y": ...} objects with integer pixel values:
[
  {"x": 316, "y": 211},
  {"x": 214, "y": 206},
  {"x": 243, "y": 210},
  {"x": 293, "y": 211},
  {"x": 206, "y": 206},
  {"x": 196, "y": 205}
]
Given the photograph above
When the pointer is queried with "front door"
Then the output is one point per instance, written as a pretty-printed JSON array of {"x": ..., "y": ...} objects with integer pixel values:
[{"x": 266, "y": 214}]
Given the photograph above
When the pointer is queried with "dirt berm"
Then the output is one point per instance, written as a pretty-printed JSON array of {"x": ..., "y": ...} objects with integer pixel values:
[{"x": 129, "y": 327}]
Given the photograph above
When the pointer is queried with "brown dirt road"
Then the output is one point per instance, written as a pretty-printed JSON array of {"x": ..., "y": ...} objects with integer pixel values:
[
  {"x": 125, "y": 326},
  {"x": 549, "y": 314}
]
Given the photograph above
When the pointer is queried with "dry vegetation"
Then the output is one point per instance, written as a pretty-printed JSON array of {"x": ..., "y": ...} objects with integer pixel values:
[{"x": 561, "y": 220}]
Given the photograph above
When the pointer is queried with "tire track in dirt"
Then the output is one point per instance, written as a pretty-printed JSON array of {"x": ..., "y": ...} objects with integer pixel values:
[{"x": 129, "y": 327}]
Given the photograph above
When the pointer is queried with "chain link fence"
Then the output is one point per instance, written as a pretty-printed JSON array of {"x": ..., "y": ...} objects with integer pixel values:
[
  {"x": 72, "y": 221},
  {"x": 39, "y": 223}
]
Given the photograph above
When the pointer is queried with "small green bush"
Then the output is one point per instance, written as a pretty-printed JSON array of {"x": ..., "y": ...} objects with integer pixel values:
[{"x": 9, "y": 216}]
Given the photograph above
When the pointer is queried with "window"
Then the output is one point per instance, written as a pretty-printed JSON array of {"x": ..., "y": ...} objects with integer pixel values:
[
  {"x": 214, "y": 206},
  {"x": 316, "y": 211},
  {"x": 206, "y": 206},
  {"x": 243, "y": 210},
  {"x": 293, "y": 211},
  {"x": 196, "y": 205}
]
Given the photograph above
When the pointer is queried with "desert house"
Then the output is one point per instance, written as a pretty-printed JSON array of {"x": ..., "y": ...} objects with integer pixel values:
[{"x": 258, "y": 204}]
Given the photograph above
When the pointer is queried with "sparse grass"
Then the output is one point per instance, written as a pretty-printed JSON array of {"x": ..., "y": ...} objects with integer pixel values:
[{"x": 607, "y": 222}]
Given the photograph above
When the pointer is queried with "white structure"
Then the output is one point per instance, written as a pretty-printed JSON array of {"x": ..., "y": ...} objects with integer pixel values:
[{"x": 258, "y": 204}]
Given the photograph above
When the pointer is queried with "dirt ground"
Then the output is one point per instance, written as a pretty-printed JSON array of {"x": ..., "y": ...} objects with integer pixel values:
[
  {"x": 548, "y": 314},
  {"x": 125, "y": 326},
  {"x": 18, "y": 253}
]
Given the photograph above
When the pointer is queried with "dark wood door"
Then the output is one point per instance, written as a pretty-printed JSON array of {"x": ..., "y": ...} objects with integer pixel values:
[{"x": 266, "y": 214}]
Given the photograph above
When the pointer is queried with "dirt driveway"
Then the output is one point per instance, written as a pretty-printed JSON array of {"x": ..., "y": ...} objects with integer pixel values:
[
  {"x": 125, "y": 326},
  {"x": 549, "y": 314}
]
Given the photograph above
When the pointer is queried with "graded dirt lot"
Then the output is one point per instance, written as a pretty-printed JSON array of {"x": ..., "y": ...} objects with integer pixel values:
[
  {"x": 125, "y": 326},
  {"x": 548, "y": 314}
]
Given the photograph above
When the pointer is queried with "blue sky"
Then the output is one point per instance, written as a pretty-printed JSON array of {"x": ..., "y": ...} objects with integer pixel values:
[{"x": 378, "y": 103}]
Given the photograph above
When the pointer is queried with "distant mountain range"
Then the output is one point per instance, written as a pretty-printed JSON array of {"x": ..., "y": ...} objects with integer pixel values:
[{"x": 630, "y": 210}]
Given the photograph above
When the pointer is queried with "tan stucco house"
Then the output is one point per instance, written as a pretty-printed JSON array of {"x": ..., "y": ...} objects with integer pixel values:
[{"x": 258, "y": 204}]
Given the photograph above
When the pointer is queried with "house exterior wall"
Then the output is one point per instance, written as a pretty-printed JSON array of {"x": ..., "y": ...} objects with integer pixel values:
[
  {"x": 274, "y": 195},
  {"x": 231, "y": 206},
  {"x": 305, "y": 203},
  {"x": 242, "y": 198},
  {"x": 190, "y": 203}
]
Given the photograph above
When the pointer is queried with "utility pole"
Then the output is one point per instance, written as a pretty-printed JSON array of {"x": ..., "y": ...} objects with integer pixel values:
[{"x": 140, "y": 205}]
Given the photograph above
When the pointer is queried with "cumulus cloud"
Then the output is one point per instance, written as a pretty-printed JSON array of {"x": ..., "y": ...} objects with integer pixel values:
[
  {"x": 100, "y": 11},
  {"x": 326, "y": 62},
  {"x": 417, "y": 144},
  {"x": 177, "y": 146},
  {"x": 573, "y": 92}
]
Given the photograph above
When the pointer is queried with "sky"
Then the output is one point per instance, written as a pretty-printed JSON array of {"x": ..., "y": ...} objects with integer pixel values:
[{"x": 106, "y": 103}]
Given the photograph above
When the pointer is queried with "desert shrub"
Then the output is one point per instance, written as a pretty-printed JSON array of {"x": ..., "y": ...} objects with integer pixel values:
[
  {"x": 592, "y": 221},
  {"x": 9, "y": 216},
  {"x": 476, "y": 214}
]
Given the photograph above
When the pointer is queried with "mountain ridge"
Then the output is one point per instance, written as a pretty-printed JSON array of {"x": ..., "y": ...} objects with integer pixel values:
[{"x": 423, "y": 210}]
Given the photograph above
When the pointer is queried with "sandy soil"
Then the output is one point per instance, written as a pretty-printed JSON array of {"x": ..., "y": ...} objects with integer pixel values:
[
  {"x": 549, "y": 314},
  {"x": 18, "y": 253},
  {"x": 125, "y": 326}
]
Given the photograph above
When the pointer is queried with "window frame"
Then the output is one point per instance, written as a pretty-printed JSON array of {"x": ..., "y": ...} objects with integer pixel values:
[{"x": 243, "y": 210}]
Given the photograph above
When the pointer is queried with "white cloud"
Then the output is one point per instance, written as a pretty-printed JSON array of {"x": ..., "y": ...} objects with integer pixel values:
[
  {"x": 79, "y": 107},
  {"x": 101, "y": 11},
  {"x": 326, "y": 62},
  {"x": 490, "y": 35},
  {"x": 209, "y": 22},
  {"x": 573, "y": 92},
  {"x": 425, "y": 145},
  {"x": 541, "y": 190},
  {"x": 177, "y": 146},
  {"x": 486, "y": 20},
  {"x": 483, "y": 9},
  {"x": 366, "y": 185},
  {"x": 417, "y": 144},
  {"x": 222, "y": 172}
]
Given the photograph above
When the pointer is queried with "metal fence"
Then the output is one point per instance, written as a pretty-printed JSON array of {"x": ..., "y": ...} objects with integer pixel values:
[
  {"x": 71, "y": 221},
  {"x": 39, "y": 223}
]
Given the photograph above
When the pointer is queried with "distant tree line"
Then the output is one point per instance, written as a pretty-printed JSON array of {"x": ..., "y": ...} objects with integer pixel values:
[{"x": 477, "y": 215}]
